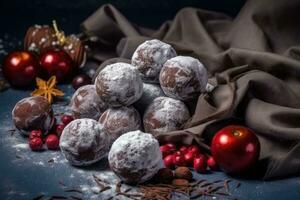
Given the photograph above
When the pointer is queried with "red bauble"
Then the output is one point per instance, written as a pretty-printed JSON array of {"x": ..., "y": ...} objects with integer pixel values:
[
  {"x": 59, "y": 129},
  {"x": 167, "y": 150},
  {"x": 57, "y": 63},
  {"x": 235, "y": 149},
  {"x": 211, "y": 163},
  {"x": 179, "y": 160},
  {"x": 20, "y": 68},
  {"x": 200, "y": 163},
  {"x": 35, "y": 134},
  {"x": 81, "y": 80},
  {"x": 66, "y": 119},
  {"x": 168, "y": 161},
  {"x": 36, "y": 144},
  {"x": 52, "y": 142}
]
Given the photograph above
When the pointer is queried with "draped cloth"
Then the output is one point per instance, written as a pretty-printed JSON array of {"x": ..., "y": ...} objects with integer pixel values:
[{"x": 253, "y": 60}]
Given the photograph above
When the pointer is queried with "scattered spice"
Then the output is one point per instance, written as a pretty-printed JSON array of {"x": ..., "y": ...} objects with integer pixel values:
[
  {"x": 74, "y": 190},
  {"x": 103, "y": 186},
  {"x": 58, "y": 197},
  {"x": 51, "y": 160},
  {"x": 75, "y": 197}
]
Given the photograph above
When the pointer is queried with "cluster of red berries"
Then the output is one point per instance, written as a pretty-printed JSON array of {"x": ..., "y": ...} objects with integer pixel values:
[
  {"x": 189, "y": 156},
  {"x": 36, "y": 137}
]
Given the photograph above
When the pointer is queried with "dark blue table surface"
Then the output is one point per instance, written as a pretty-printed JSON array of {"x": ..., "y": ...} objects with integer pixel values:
[{"x": 25, "y": 174}]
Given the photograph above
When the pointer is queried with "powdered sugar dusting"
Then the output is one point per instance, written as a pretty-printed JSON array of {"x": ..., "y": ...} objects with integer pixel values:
[
  {"x": 137, "y": 154},
  {"x": 165, "y": 114},
  {"x": 83, "y": 142},
  {"x": 149, "y": 58},
  {"x": 86, "y": 103},
  {"x": 119, "y": 84},
  {"x": 189, "y": 79}
]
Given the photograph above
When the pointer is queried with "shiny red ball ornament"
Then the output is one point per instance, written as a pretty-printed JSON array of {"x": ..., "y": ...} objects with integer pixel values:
[
  {"x": 21, "y": 68},
  {"x": 52, "y": 142},
  {"x": 168, "y": 161},
  {"x": 235, "y": 149},
  {"x": 36, "y": 144},
  {"x": 200, "y": 163},
  {"x": 57, "y": 63},
  {"x": 81, "y": 80}
]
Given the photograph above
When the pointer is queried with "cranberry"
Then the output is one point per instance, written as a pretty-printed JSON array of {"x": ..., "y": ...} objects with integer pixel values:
[
  {"x": 200, "y": 164},
  {"x": 166, "y": 150},
  {"x": 211, "y": 163},
  {"x": 189, "y": 157},
  {"x": 194, "y": 149},
  {"x": 66, "y": 119},
  {"x": 168, "y": 161},
  {"x": 81, "y": 80},
  {"x": 178, "y": 160},
  {"x": 177, "y": 153},
  {"x": 35, "y": 134},
  {"x": 183, "y": 149},
  {"x": 52, "y": 142},
  {"x": 36, "y": 144},
  {"x": 172, "y": 146},
  {"x": 59, "y": 129}
]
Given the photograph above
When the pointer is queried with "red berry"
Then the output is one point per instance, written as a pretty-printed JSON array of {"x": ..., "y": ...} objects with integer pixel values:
[
  {"x": 177, "y": 153},
  {"x": 81, "y": 80},
  {"x": 36, "y": 144},
  {"x": 166, "y": 150},
  {"x": 172, "y": 146},
  {"x": 194, "y": 149},
  {"x": 183, "y": 149},
  {"x": 168, "y": 161},
  {"x": 52, "y": 142},
  {"x": 66, "y": 119},
  {"x": 200, "y": 164},
  {"x": 189, "y": 157},
  {"x": 211, "y": 163},
  {"x": 178, "y": 160},
  {"x": 35, "y": 134},
  {"x": 59, "y": 129}
]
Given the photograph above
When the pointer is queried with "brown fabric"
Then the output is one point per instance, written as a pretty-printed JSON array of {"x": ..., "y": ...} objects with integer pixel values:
[{"x": 254, "y": 60}]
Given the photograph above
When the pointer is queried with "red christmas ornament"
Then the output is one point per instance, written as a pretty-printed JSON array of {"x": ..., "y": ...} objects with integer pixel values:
[
  {"x": 81, "y": 80},
  {"x": 166, "y": 150},
  {"x": 20, "y": 68},
  {"x": 168, "y": 161},
  {"x": 52, "y": 142},
  {"x": 57, "y": 63},
  {"x": 211, "y": 163},
  {"x": 35, "y": 134},
  {"x": 36, "y": 144},
  {"x": 235, "y": 149},
  {"x": 59, "y": 129},
  {"x": 200, "y": 163},
  {"x": 66, "y": 119}
]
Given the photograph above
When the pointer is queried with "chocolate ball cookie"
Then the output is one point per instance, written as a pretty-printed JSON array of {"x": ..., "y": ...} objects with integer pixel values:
[
  {"x": 117, "y": 121},
  {"x": 33, "y": 113},
  {"x": 84, "y": 141},
  {"x": 135, "y": 157},
  {"x": 119, "y": 84},
  {"x": 150, "y": 92},
  {"x": 164, "y": 115},
  {"x": 85, "y": 103},
  {"x": 149, "y": 58},
  {"x": 183, "y": 78}
]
